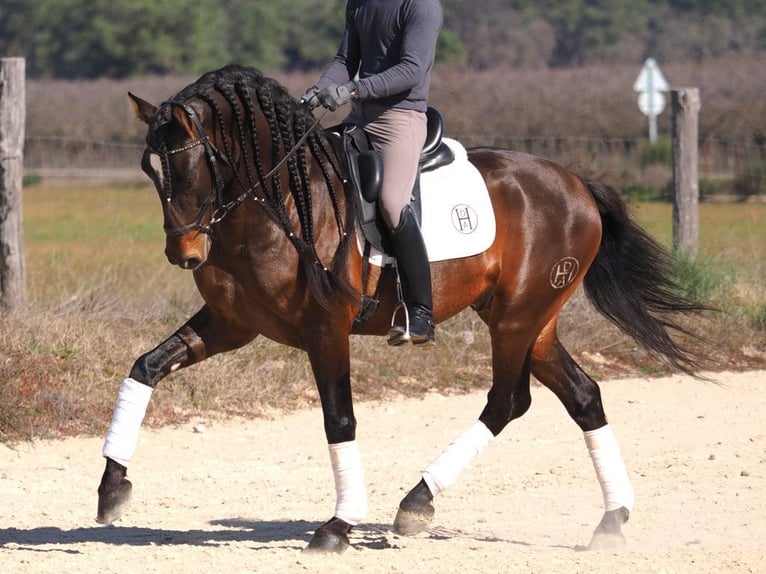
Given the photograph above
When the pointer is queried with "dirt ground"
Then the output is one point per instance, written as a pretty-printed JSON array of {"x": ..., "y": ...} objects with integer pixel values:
[{"x": 245, "y": 495}]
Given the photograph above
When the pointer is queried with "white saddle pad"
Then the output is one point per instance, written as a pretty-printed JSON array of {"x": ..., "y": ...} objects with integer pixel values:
[{"x": 458, "y": 219}]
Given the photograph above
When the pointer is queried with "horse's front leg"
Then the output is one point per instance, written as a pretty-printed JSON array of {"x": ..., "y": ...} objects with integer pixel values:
[
  {"x": 201, "y": 337},
  {"x": 331, "y": 365}
]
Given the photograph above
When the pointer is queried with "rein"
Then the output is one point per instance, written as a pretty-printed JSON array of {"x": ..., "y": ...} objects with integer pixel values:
[{"x": 215, "y": 201}]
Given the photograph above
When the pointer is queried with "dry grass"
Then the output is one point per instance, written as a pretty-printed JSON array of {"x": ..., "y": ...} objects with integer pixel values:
[{"x": 101, "y": 294}]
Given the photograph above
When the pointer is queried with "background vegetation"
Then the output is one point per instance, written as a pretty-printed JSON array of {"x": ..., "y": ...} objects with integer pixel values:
[
  {"x": 585, "y": 117},
  {"x": 549, "y": 77},
  {"x": 121, "y": 38},
  {"x": 101, "y": 294}
]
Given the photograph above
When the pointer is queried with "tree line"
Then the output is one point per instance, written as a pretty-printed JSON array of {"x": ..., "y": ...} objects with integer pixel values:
[{"x": 125, "y": 38}]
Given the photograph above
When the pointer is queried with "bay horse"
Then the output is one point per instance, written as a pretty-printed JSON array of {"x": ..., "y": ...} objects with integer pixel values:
[{"x": 256, "y": 204}]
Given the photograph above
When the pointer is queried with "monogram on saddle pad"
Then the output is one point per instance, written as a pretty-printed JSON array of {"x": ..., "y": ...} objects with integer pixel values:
[{"x": 449, "y": 198}]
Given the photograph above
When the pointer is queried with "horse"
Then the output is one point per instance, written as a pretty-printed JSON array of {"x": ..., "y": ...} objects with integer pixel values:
[{"x": 256, "y": 203}]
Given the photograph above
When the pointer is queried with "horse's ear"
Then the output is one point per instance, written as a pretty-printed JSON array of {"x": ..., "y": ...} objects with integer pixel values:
[{"x": 143, "y": 109}]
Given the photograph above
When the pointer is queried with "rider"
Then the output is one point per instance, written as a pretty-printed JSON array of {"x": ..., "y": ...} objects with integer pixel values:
[{"x": 383, "y": 66}]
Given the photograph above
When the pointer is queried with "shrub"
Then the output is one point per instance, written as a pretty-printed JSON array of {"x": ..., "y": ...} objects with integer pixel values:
[
  {"x": 756, "y": 316},
  {"x": 659, "y": 152},
  {"x": 707, "y": 279},
  {"x": 709, "y": 188},
  {"x": 752, "y": 182}
]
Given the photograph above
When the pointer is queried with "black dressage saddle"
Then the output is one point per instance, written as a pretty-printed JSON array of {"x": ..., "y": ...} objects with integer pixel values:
[{"x": 365, "y": 169}]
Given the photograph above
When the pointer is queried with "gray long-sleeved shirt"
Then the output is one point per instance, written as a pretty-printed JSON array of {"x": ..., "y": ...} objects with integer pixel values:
[{"x": 391, "y": 44}]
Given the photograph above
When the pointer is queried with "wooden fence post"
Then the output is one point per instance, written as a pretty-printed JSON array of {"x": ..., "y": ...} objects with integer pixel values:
[
  {"x": 12, "y": 118},
  {"x": 686, "y": 106}
]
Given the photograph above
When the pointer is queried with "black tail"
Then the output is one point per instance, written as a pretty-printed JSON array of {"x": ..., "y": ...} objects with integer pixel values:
[{"x": 630, "y": 283}]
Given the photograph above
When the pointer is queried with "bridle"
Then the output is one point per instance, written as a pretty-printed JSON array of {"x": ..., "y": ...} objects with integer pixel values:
[{"x": 214, "y": 202}]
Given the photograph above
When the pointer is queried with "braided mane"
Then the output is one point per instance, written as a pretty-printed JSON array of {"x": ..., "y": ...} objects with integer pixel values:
[{"x": 246, "y": 90}]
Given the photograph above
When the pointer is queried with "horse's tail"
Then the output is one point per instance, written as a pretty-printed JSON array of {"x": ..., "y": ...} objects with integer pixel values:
[{"x": 630, "y": 283}]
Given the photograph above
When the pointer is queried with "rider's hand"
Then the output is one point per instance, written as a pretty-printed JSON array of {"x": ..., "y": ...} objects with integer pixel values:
[
  {"x": 332, "y": 97},
  {"x": 310, "y": 98}
]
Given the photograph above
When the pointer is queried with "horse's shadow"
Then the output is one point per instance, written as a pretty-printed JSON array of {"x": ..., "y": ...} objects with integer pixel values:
[
  {"x": 289, "y": 534},
  {"x": 292, "y": 534}
]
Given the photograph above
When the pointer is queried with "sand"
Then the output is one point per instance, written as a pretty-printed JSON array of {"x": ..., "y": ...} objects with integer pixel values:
[{"x": 227, "y": 496}]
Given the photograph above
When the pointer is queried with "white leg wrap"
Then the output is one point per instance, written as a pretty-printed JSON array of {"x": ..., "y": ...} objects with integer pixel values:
[
  {"x": 351, "y": 494},
  {"x": 441, "y": 473},
  {"x": 610, "y": 468},
  {"x": 122, "y": 436}
]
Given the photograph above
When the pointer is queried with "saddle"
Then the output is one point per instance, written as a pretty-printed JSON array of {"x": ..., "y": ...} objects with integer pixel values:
[{"x": 365, "y": 169}]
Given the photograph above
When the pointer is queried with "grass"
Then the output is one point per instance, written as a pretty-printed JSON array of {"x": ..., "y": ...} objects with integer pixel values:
[{"x": 101, "y": 293}]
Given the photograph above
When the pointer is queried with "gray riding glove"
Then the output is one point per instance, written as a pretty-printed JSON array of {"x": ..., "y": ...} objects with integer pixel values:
[
  {"x": 310, "y": 98},
  {"x": 333, "y": 97}
]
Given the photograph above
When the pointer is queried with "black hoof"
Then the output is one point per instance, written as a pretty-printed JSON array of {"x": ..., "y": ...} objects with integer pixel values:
[
  {"x": 415, "y": 511},
  {"x": 114, "y": 503},
  {"x": 330, "y": 538},
  {"x": 608, "y": 534}
]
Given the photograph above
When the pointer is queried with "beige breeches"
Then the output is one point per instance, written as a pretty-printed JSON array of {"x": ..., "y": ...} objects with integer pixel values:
[{"x": 398, "y": 136}]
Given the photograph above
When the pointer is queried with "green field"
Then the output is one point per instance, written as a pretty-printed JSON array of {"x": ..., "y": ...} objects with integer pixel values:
[
  {"x": 734, "y": 234},
  {"x": 82, "y": 240},
  {"x": 101, "y": 293},
  {"x": 76, "y": 237}
]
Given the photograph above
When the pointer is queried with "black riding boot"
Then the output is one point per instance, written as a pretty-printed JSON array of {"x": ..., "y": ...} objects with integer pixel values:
[{"x": 413, "y": 321}]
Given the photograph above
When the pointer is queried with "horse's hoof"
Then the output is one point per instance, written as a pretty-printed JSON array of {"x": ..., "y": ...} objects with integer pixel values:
[
  {"x": 410, "y": 523},
  {"x": 113, "y": 504},
  {"x": 415, "y": 511},
  {"x": 608, "y": 534},
  {"x": 330, "y": 538},
  {"x": 604, "y": 541}
]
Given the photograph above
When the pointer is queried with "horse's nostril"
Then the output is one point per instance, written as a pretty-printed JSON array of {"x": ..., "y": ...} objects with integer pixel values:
[{"x": 191, "y": 263}]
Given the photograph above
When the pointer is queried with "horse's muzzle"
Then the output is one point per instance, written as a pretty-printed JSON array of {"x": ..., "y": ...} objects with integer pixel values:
[{"x": 187, "y": 251}]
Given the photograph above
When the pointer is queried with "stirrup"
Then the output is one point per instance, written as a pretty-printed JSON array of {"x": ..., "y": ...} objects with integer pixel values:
[{"x": 399, "y": 335}]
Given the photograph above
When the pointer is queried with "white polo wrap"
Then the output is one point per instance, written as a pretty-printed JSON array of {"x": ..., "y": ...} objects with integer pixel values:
[
  {"x": 442, "y": 472},
  {"x": 122, "y": 436},
  {"x": 610, "y": 468},
  {"x": 350, "y": 491}
]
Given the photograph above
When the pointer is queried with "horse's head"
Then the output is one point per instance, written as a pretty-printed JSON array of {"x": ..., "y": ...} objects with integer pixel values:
[
  {"x": 237, "y": 138},
  {"x": 183, "y": 160}
]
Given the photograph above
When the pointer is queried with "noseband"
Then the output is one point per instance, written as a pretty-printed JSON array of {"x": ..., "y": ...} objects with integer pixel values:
[{"x": 212, "y": 154}]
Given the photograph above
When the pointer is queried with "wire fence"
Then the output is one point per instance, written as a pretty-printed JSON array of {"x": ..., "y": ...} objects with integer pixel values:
[{"x": 725, "y": 168}]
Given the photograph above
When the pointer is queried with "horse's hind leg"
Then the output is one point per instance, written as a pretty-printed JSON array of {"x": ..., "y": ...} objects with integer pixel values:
[
  {"x": 556, "y": 369},
  {"x": 509, "y": 398}
]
